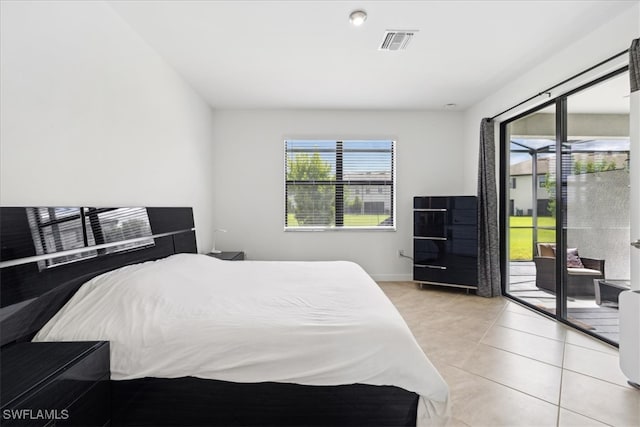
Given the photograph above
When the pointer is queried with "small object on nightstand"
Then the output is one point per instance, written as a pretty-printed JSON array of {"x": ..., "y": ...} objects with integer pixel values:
[
  {"x": 228, "y": 256},
  {"x": 213, "y": 247}
]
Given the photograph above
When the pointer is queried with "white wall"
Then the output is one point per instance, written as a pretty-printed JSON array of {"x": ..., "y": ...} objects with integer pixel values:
[
  {"x": 596, "y": 45},
  {"x": 249, "y": 181},
  {"x": 91, "y": 115}
]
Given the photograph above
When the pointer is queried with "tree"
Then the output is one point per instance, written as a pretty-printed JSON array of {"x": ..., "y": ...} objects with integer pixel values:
[
  {"x": 550, "y": 186},
  {"x": 356, "y": 205},
  {"x": 312, "y": 204},
  {"x": 578, "y": 167}
]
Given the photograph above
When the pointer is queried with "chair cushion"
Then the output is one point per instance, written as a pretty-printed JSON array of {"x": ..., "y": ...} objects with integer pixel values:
[
  {"x": 547, "y": 249},
  {"x": 583, "y": 272},
  {"x": 573, "y": 258}
]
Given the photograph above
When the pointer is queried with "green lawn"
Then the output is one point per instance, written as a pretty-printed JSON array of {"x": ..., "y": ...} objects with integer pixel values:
[
  {"x": 521, "y": 239},
  {"x": 349, "y": 220}
]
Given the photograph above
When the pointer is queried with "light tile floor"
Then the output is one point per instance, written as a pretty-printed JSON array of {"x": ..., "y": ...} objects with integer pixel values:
[{"x": 509, "y": 366}]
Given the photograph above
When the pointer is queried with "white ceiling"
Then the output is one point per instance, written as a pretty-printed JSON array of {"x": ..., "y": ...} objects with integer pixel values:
[{"x": 305, "y": 54}]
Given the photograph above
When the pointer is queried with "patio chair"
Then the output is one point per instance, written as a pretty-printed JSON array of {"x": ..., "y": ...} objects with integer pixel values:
[{"x": 579, "y": 278}]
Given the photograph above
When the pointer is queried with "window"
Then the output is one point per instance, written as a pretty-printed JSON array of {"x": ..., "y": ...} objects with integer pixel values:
[
  {"x": 513, "y": 182},
  {"x": 542, "y": 181},
  {"x": 339, "y": 184}
]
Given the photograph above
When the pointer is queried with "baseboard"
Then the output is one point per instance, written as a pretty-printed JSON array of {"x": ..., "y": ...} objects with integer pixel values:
[{"x": 392, "y": 277}]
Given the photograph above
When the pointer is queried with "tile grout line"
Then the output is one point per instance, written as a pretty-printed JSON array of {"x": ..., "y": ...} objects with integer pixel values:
[
  {"x": 585, "y": 416},
  {"x": 548, "y": 363},
  {"x": 561, "y": 384},
  {"x": 504, "y": 308},
  {"x": 505, "y": 386},
  {"x": 523, "y": 355},
  {"x": 479, "y": 341},
  {"x": 531, "y": 333},
  {"x": 564, "y": 350},
  {"x": 598, "y": 379}
]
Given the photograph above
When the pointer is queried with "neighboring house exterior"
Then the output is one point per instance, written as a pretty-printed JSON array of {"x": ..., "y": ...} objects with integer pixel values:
[
  {"x": 521, "y": 187},
  {"x": 373, "y": 199}
]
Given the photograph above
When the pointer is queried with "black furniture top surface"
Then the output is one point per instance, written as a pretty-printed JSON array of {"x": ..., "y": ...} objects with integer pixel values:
[
  {"x": 445, "y": 202},
  {"x": 43, "y": 360},
  {"x": 622, "y": 284},
  {"x": 228, "y": 255}
]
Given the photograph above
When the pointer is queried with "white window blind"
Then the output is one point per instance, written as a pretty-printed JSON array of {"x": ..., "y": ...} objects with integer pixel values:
[{"x": 332, "y": 184}]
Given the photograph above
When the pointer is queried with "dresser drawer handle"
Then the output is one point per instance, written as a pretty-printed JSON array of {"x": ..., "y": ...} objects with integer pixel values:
[{"x": 436, "y": 267}]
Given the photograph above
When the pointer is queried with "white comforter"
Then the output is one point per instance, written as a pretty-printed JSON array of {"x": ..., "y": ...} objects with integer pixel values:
[{"x": 315, "y": 323}]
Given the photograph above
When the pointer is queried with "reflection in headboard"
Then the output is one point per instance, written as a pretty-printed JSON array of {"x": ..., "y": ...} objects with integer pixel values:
[{"x": 49, "y": 252}]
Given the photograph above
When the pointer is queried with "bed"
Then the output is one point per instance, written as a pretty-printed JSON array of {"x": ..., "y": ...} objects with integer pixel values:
[{"x": 199, "y": 341}]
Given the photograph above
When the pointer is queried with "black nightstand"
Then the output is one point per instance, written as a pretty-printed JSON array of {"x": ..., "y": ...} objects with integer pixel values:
[
  {"x": 229, "y": 256},
  {"x": 55, "y": 383}
]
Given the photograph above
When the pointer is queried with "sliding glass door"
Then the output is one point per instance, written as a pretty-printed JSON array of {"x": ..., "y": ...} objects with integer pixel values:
[
  {"x": 597, "y": 204},
  {"x": 566, "y": 191},
  {"x": 531, "y": 232}
]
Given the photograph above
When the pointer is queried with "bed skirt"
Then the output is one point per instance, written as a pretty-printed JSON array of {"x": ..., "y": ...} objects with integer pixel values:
[{"x": 193, "y": 401}]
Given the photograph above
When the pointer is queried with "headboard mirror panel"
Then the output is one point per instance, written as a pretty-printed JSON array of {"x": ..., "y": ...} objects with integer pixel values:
[{"x": 48, "y": 252}]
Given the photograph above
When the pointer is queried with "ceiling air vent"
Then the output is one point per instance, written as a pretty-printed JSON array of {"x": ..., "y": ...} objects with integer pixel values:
[{"x": 396, "y": 40}]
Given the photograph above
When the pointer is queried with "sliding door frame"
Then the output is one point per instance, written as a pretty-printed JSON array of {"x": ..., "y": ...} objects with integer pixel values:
[{"x": 561, "y": 122}]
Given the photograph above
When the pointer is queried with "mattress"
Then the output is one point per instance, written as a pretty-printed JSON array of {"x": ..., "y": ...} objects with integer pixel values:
[{"x": 311, "y": 323}]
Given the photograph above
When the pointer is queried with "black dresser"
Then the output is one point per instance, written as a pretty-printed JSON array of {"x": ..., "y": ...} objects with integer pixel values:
[
  {"x": 55, "y": 384},
  {"x": 445, "y": 241}
]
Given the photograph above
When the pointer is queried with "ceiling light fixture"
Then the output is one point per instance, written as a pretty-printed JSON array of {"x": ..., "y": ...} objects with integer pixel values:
[{"x": 357, "y": 17}]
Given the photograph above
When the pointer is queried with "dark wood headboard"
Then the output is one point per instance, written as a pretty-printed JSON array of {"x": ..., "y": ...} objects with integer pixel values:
[{"x": 49, "y": 252}]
